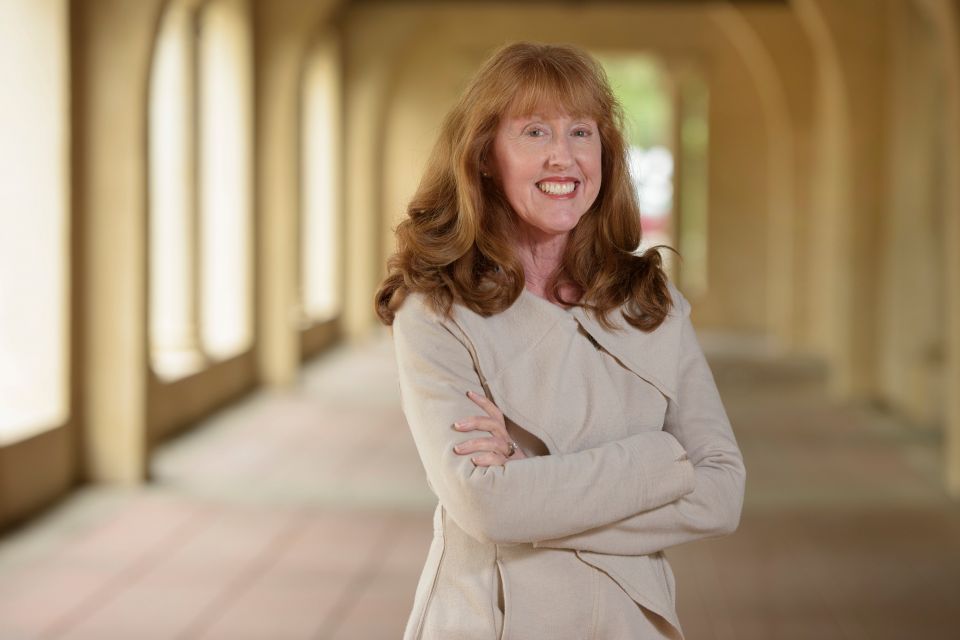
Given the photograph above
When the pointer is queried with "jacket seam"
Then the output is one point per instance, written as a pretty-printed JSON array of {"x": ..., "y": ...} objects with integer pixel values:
[
  {"x": 639, "y": 600},
  {"x": 500, "y": 575},
  {"x": 436, "y": 574},
  {"x": 596, "y": 603}
]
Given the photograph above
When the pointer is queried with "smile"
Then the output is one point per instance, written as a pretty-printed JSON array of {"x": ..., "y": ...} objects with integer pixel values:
[{"x": 557, "y": 188}]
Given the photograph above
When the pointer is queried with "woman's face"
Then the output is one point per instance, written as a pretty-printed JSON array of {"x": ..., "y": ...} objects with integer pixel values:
[{"x": 549, "y": 168}]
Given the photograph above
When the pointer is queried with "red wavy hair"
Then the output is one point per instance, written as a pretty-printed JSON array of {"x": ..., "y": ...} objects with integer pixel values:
[{"x": 456, "y": 242}]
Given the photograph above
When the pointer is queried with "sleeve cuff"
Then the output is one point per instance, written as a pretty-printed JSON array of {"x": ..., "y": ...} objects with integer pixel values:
[{"x": 669, "y": 473}]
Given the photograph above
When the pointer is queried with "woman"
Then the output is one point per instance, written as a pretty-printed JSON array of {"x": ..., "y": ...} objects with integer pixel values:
[{"x": 559, "y": 400}]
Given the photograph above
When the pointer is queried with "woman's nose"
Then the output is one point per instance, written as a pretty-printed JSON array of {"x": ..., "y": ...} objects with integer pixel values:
[{"x": 559, "y": 153}]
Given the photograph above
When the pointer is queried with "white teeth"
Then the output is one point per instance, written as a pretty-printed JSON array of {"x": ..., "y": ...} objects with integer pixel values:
[{"x": 557, "y": 188}]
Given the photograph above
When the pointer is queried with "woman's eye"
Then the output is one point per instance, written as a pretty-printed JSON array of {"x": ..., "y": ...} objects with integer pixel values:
[
  {"x": 536, "y": 133},
  {"x": 582, "y": 133}
]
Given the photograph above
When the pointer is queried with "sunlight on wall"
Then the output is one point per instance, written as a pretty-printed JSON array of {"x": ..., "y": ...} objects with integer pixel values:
[
  {"x": 225, "y": 95},
  {"x": 172, "y": 234},
  {"x": 34, "y": 222},
  {"x": 320, "y": 233},
  {"x": 201, "y": 218}
]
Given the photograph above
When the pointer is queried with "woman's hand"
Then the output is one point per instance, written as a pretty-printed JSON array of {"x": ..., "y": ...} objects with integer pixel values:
[{"x": 493, "y": 450}]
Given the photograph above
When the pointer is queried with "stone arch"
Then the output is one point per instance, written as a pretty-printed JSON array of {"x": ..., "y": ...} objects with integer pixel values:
[
  {"x": 831, "y": 199},
  {"x": 911, "y": 318},
  {"x": 756, "y": 58},
  {"x": 945, "y": 17}
]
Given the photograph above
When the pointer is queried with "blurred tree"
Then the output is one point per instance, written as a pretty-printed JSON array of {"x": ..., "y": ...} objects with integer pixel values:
[{"x": 639, "y": 83}]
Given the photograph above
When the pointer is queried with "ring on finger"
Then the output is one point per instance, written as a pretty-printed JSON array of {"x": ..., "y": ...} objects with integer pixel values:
[{"x": 511, "y": 448}]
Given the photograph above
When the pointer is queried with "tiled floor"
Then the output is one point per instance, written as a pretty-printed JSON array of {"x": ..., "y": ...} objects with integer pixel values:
[{"x": 306, "y": 515}]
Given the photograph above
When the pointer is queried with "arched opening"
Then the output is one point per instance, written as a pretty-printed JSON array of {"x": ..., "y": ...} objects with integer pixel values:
[
  {"x": 666, "y": 108},
  {"x": 320, "y": 266},
  {"x": 225, "y": 175},
  {"x": 174, "y": 348},
  {"x": 34, "y": 221},
  {"x": 199, "y": 193}
]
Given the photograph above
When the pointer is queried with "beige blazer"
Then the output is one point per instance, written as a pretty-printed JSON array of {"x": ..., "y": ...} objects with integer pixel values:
[{"x": 505, "y": 536}]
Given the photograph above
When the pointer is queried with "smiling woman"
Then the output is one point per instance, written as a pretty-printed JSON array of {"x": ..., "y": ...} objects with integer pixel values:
[
  {"x": 549, "y": 112},
  {"x": 555, "y": 437},
  {"x": 549, "y": 169}
]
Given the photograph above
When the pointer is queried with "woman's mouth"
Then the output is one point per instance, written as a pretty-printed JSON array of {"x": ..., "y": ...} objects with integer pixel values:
[{"x": 558, "y": 189}]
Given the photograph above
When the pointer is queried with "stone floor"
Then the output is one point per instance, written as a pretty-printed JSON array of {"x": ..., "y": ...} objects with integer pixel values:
[{"x": 306, "y": 515}]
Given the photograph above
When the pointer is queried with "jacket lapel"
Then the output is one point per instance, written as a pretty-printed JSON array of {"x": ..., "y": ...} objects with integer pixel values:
[
  {"x": 653, "y": 356},
  {"x": 520, "y": 352}
]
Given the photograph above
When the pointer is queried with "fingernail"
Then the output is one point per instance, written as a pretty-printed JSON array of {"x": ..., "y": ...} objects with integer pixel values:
[
  {"x": 456, "y": 448},
  {"x": 457, "y": 425},
  {"x": 470, "y": 393}
]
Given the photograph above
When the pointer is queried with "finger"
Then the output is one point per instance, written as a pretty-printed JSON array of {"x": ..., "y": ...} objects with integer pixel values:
[
  {"x": 486, "y": 404},
  {"x": 483, "y": 423},
  {"x": 481, "y": 444},
  {"x": 488, "y": 459}
]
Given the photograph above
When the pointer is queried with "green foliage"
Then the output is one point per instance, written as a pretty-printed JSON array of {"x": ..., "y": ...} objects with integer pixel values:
[{"x": 640, "y": 84}]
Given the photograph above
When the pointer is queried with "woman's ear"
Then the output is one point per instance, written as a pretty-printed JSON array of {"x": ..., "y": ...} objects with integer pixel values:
[
  {"x": 487, "y": 171},
  {"x": 486, "y": 167}
]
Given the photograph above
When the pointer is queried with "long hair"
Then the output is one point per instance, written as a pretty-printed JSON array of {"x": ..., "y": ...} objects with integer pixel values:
[{"x": 456, "y": 243}]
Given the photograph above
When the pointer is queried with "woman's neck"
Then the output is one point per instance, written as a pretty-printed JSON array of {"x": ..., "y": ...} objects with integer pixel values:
[{"x": 541, "y": 256}]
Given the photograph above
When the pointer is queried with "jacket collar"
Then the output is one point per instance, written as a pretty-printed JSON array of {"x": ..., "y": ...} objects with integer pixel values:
[{"x": 653, "y": 356}]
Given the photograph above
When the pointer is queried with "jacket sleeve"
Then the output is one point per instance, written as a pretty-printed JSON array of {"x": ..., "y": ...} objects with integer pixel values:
[
  {"x": 700, "y": 424},
  {"x": 529, "y": 499}
]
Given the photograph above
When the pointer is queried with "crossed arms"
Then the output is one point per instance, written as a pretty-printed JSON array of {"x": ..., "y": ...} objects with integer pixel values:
[{"x": 632, "y": 496}]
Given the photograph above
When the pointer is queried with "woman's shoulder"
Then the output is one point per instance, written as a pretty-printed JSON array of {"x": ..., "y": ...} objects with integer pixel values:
[
  {"x": 418, "y": 312},
  {"x": 679, "y": 308},
  {"x": 414, "y": 304},
  {"x": 680, "y": 305},
  {"x": 424, "y": 318}
]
